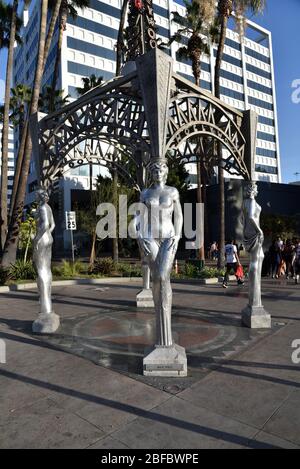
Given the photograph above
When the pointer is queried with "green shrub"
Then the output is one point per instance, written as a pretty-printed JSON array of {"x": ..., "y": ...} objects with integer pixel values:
[
  {"x": 190, "y": 270},
  {"x": 21, "y": 270},
  {"x": 104, "y": 266},
  {"x": 4, "y": 275},
  {"x": 68, "y": 269},
  {"x": 128, "y": 270},
  {"x": 208, "y": 272}
]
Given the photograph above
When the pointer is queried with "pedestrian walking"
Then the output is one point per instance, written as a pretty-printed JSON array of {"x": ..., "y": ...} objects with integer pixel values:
[
  {"x": 297, "y": 262},
  {"x": 232, "y": 262}
]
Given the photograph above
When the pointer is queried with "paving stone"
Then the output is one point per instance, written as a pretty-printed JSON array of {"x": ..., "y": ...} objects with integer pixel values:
[
  {"x": 46, "y": 425},
  {"x": 178, "y": 424}
]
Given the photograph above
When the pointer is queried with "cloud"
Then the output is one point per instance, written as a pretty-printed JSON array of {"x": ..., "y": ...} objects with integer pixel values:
[{"x": 2, "y": 88}]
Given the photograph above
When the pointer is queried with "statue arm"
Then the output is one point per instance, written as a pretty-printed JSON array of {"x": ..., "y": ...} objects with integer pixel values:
[
  {"x": 178, "y": 216},
  {"x": 139, "y": 227},
  {"x": 43, "y": 224},
  {"x": 252, "y": 218}
]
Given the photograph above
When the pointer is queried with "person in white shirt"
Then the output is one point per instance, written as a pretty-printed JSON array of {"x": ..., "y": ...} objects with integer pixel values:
[{"x": 232, "y": 262}]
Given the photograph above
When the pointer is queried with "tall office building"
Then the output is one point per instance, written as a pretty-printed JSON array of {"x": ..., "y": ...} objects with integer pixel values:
[
  {"x": 11, "y": 161},
  {"x": 89, "y": 47}
]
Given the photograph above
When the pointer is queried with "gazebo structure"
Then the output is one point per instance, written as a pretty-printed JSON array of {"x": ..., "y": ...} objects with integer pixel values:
[{"x": 148, "y": 111}]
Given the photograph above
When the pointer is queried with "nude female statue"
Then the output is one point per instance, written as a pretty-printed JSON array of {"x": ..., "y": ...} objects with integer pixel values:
[
  {"x": 42, "y": 253},
  {"x": 253, "y": 240},
  {"x": 158, "y": 239}
]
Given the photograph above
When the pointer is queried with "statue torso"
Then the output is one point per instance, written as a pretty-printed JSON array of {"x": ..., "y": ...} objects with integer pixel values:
[{"x": 160, "y": 206}]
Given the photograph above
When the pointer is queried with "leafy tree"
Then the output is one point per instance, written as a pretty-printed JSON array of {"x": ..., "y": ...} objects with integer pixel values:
[{"x": 26, "y": 234}]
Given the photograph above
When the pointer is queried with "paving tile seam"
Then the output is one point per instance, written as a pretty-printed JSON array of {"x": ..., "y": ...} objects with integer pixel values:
[
  {"x": 15, "y": 409},
  {"x": 293, "y": 442},
  {"x": 103, "y": 438},
  {"x": 277, "y": 410},
  {"x": 278, "y": 436},
  {"x": 250, "y": 425}
]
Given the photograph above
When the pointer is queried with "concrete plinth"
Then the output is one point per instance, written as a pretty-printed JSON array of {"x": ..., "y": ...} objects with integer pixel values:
[
  {"x": 144, "y": 299},
  {"x": 256, "y": 318},
  {"x": 46, "y": 323},
  {"x": 166, "y": 361}
]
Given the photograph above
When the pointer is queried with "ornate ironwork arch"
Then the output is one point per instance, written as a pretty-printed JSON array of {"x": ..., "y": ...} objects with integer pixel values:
[
  {"x": 149, "y": 110},
  {"x": 195, "y": 115}
]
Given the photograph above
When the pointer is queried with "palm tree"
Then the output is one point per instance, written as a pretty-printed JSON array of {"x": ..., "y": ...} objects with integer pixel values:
[
  {"x": 225, "y": 11},
  {"x": 194, "y": 25},
  {"x": 19, "y": 101},
  {"x": 5, "y": 25},
  {"x": 120, "y": 40},
  {"x": 55, "y": 7},
  {"x": 67, "y": 8},
  {"x": 49, "y": 101},
  {"x": 197, "y": 24},
  {"x": 89, "y": 83},
  {"x": 5, "y": 129},
  {"x": 10, "y": 247}
]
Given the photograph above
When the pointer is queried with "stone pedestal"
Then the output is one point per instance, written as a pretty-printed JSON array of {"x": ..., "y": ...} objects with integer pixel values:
[
  {"x": 256, "y": 318},
  {"x": 166, "y": 361},
  {"x": 46, "y": 323},
  {"x": 144, "y": 299}
]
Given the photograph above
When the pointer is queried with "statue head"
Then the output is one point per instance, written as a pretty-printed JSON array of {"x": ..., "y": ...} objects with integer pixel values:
[
  {"x": 42, "y": 196},
  {"x": 250, "y": 190},
  {"x": 159, "y": 170}
]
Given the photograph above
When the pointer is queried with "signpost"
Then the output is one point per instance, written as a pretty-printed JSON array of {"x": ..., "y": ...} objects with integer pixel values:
[{"x": 71, "y": 226}]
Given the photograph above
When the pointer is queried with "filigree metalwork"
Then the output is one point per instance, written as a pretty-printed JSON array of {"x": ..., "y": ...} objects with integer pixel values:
[{"x": 112, "y": 118}]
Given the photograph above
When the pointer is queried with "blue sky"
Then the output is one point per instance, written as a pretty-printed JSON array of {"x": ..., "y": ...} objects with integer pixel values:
[{"x": 282, "y": 18}]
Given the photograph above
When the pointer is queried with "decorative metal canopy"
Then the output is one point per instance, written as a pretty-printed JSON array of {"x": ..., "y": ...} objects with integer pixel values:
[{"x": 148, "y": 112}]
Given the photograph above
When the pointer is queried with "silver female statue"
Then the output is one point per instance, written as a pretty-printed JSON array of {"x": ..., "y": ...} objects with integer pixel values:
[
  {"x": 158, "y": 240},
  {"x": 42, "y": 253},
  {"x": 254, "y": 315}
]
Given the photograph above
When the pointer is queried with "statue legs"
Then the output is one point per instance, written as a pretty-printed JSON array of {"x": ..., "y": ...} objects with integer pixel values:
[
  {"x": 254, "y": 315},
  {"x": 162, "y": 293},
  {"x": 47, "y": 321},
  {"x": 144, "y": 299},
  {"x": 167, "y": 358}
]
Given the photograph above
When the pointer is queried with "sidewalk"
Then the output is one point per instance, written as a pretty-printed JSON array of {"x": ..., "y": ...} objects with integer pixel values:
[{"x": 54, "y": 399}]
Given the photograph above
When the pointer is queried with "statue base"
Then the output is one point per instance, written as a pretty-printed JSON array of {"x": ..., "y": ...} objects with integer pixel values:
[
  {"x": 144, "y": 299},
  {"x": 256, "y": 318},
  {"x": 166, "y": 361},
  {"x": 46, "y": 323}
]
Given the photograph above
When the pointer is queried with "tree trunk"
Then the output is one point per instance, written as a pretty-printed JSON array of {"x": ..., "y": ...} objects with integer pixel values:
[
  {"x": 93, "y": 250},
  {"x": 18, "y": 166},
  {"x": 115, "y": 197},
  {"x": 219, "y": 58},
  {"x": 196, "y": 66},
  {"x": 62, "y": 28},
  {"x": 120, "y": 37},
  {"x": 55, "y": 13},
  {"x": 19, "y": 160},
  {"x": 10, "y": 248},
  {"x": 5, "y": 129}
]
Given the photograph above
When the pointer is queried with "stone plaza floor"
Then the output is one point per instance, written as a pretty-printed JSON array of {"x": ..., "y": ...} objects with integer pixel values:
[{"x": 83, "y": 386}]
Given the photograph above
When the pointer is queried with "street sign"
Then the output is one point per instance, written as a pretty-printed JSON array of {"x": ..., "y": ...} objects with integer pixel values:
[{"x": 71, "y": 221}]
